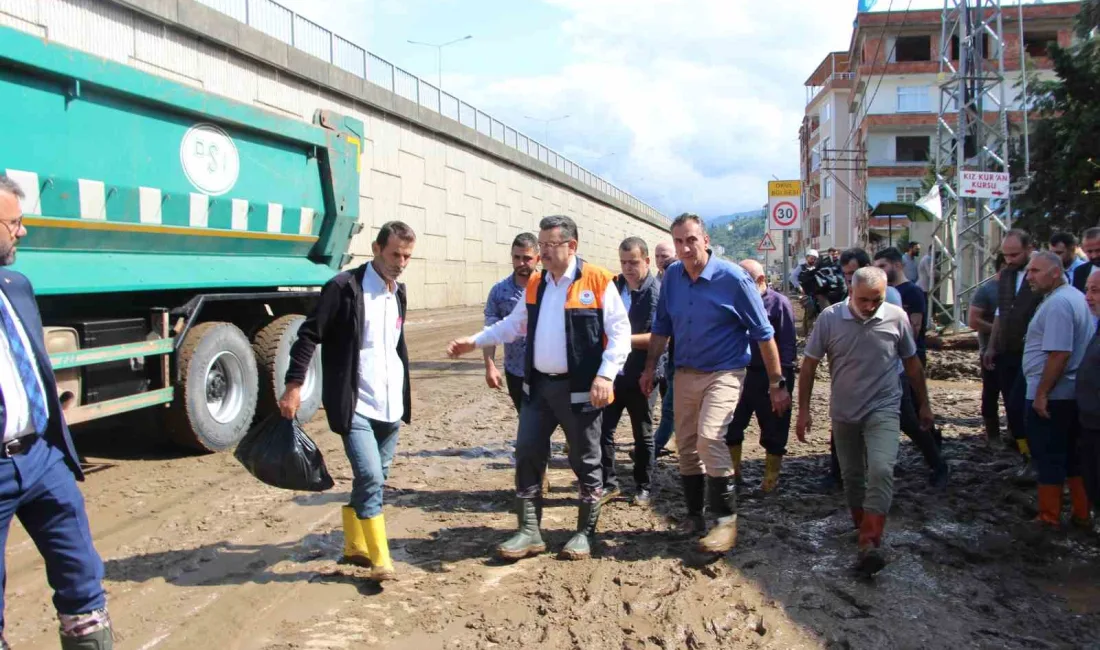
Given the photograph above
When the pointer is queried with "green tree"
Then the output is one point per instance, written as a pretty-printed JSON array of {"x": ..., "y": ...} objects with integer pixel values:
[{"x": 1064, "y": 192}]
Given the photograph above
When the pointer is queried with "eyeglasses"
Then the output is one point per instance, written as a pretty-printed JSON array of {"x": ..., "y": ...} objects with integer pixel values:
[
  {"x": 18, "y": 223},
  {"x": 546, "y": 245}
]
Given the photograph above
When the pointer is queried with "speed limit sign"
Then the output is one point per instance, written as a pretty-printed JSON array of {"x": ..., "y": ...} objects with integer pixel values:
[{"x": 784, "y": 199}]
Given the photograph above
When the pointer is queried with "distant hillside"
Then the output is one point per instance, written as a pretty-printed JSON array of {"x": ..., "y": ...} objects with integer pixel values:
[
  {"x": 727, "y": 218},
  {"x": 738, "y": 234}
]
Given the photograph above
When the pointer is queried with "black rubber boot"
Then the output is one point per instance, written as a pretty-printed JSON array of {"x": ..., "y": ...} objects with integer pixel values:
[
  {"x": 99, "y": 640},
  {"x": 579, "y": 547},
  {"x": 723, "y": 504},
  {"x": 992, "y": 429},
  {"x": 695, "y": 489},
  {"x": 528, "y": 540}
]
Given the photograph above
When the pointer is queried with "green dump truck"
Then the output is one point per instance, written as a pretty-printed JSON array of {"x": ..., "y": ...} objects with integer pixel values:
[{"x": 176, "y": 238}]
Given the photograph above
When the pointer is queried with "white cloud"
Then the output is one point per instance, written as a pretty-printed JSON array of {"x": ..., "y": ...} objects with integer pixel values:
[{"x": 699, "y": 101}]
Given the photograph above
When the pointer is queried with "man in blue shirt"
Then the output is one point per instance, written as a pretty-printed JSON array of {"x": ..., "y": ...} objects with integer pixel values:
[
  {"x": 502, "y": 300},
  {"x": 713, "y": 309},
  {"x": 774, "y": 428}
]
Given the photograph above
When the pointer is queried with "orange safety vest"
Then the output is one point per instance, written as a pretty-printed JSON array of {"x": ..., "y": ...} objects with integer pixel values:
[{"x": 585, "y": 338}]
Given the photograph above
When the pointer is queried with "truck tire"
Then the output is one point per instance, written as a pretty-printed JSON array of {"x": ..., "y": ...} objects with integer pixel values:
[
  {"x": 272, "y": 347},
  {"x": 216, "y": 397}
]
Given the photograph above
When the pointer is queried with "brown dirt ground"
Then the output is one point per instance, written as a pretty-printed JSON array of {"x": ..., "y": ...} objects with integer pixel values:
[{"x": 199, "y": 554}]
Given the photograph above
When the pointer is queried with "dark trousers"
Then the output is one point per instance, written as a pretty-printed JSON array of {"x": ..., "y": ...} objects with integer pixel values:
[
  {"x": 1053, "y": 441},
  {"x": 1088, "y": 447},
  {"x": 515, "y": 389},
  {"x": 991, "y": 393},
  {"x": 1010, "y": 378},
  {"x": 756, "y": 400},
  {"x": 630, "y": 398},
  {"x": 924, "y": 439},
  {"x": 667, "y": 426},
  {"x": 548, "y": 406},
  {"x": 40, "y": 489}
]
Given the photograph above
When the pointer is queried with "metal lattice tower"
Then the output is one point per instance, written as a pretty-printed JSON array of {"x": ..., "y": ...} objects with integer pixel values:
[{"x": 971, "y": 134}]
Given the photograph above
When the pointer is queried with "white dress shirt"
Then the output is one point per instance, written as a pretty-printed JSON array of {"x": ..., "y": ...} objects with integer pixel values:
[
  {"x": 550, "y": 346},
  {"x": 381, "y": 374},
  {"x": 19, "y": 421}
]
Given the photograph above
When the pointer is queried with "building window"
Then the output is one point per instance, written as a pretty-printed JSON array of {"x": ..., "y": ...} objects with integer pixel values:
[
  {"x": 826, "y": 225},
  {"x": 908, "y": 194},
  {"x": 986, "y": 54},
  {"x": 913, "y": 99},
  {"x": 912, "y": 148},
  {"x": 913, "y": 48},
  {"x": 826, "y": 112},
  {"x": 827, "y": 188},
  {"x": 1038, "y": 44}
]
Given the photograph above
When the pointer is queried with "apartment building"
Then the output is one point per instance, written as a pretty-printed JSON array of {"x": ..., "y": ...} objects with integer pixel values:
[{"x": 882, "y": 98}]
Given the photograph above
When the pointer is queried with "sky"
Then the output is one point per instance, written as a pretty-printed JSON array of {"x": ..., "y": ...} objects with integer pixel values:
[{"x": 690, "y": 105}]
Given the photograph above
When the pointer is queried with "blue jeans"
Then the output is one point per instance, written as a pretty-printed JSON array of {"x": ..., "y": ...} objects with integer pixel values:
[
  {"x": 369, "y": 447},
  {"x": 40, "y": 489},
  {"x": 664, "y": 429}
]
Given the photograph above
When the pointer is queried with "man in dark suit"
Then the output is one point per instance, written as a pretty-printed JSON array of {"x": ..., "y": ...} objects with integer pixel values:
[
  {"x": 1090, "y": 243},
  {"x": 39, "y": 467}
]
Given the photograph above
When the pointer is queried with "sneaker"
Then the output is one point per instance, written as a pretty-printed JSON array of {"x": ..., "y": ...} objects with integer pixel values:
[
  {"x": 610, "y": 493},
  {"x": 642, "y": 497}
]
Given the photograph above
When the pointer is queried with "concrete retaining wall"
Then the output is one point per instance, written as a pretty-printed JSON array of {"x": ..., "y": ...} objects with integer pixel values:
[{"x": 466, "y": 195}]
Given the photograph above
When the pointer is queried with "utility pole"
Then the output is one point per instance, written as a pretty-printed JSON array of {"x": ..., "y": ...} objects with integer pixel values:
[
  {"x": 439, "y": 56},
  {"x": 971, "y": 86}
]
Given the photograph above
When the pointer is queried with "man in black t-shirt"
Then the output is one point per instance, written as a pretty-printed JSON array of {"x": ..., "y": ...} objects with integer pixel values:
[{"x": 913, "y": 300}]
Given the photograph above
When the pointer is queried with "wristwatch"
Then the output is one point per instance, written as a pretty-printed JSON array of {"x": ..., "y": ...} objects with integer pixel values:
[{"x": 780, "y": 384}]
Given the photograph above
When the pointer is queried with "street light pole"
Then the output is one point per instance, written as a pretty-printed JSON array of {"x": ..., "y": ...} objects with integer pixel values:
[{"x": 439, "y": 56}]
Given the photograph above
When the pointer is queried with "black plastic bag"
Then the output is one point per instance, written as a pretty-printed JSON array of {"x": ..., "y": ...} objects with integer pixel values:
[{"x": 279, "y": 453}]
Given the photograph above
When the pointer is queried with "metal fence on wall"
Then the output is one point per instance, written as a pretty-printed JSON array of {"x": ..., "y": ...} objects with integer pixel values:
[{"x": 283, "y": 24}]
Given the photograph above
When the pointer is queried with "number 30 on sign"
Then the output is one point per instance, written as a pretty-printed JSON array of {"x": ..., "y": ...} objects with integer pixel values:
[{"x": 784, "y": 199}]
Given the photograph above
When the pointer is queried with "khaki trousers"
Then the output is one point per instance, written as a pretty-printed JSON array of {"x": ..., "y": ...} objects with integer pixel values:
[{"x": 703, "y": 405}]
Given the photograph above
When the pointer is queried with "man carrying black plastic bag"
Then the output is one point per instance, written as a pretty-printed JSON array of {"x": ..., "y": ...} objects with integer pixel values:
[
  {"x": 360, "y": 322},
  {"x": 280, "y": 453}
]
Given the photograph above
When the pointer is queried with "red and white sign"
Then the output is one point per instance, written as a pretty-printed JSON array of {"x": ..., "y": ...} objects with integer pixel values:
[
  {"x": 983, "y": 185},
  {"x": 784, "y": 201},
  {"x": 766, "y": 244}
]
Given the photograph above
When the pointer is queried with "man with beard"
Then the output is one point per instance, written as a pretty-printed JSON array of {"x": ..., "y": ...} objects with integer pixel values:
[
  {"x": 1087, "y": 389},
  {"x": 664, "y": 255},
  {"x": 639, "y": 290},
  {"x": 864, "y": 339},
  {"x": 502, "y": 300},
  {"x": 1016, "y": 304},
  {"x": 1057, "y": 339},
  {"x": 910, "y": 261},
  {"x": 578, "y": 333},
  {"x": 1090, "y": 243},
  {"x": 39, "y": 467},
  {"x": 1064, "y": 245},
  {"x": 359, "y": 322}
]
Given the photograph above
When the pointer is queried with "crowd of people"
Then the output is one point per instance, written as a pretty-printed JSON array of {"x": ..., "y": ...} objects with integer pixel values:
[{"x": 583, "y": 345}]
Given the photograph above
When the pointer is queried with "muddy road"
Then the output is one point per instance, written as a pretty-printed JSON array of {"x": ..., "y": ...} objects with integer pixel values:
[{"x": 199, "y": 554}]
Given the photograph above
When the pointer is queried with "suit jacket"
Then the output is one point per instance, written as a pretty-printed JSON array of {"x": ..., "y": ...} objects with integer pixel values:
[
  {"x": 1081, "y": 276},
  {"x": 20, "y": 294}
]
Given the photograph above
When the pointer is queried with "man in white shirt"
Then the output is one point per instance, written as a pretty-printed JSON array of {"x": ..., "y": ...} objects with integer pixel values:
[
  {"x": 360, "y": 320},
  {"x": 39, "y": 467},
  {"x": 578, "y": 338}
]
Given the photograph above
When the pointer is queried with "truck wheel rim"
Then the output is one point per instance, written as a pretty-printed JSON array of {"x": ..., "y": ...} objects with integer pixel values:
[
  {"x": 308, "y": 384},
  {"x": 225, "y": 387}
]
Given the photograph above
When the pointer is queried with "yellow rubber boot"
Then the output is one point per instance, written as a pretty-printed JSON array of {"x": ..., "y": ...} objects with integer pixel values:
[
  {"x": 735, "y": 458},
  {"x": 378, "y": 546},
  {"x": 355, "y": 540},
  {"x": 1025, "y": 450},
  {"x": 772, "y": 463}
]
